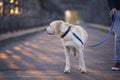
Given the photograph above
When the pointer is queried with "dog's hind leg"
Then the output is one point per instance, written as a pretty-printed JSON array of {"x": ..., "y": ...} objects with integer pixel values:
[{"x": 82, "y": 67}]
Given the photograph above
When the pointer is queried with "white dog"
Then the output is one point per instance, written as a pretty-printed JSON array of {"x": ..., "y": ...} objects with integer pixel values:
[{"x": 73, "y": 38}]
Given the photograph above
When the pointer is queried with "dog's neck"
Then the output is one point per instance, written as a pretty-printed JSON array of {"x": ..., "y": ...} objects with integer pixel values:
[{"x": 66, "y": 31}]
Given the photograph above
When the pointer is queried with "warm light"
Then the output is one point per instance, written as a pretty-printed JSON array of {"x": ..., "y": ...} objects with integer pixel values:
[
  {"x": 12, "y": 11},
  {"x": 68, "y": 14},
  {"x": 17, "y": 48},
  {"x": 72, "y": 16},
  {"x": 12, "y": 65},
  {"x": 1, "y": 10},
  {"x": 9, "y": 52},
  {"x": 16, "y": 2},
  {"x": 16, "y": 57},
  {"x": 1, "y": 4},
  {"x": 16, "y": 10},
  {"x": 11, "y": 1},
  {"x": 3, "y": 56}
]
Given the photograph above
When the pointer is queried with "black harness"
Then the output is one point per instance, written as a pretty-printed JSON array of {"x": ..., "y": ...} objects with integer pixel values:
[{"x": 62, "y": 36}]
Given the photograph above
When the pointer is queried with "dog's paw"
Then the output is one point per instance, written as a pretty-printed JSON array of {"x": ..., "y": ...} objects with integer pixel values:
[
  {"x": 82, "y": 71},
  {"x": 67, "y": 71}
]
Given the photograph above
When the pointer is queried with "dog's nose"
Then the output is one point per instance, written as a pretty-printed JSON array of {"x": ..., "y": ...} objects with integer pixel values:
[{"x": 46, "y": 29}]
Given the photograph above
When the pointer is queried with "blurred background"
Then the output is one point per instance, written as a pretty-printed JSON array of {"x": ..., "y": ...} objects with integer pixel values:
[{"x": 24, "y": 14}]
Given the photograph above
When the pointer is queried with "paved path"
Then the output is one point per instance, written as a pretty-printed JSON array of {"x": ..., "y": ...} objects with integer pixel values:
[{"x": 39, "y": 56}]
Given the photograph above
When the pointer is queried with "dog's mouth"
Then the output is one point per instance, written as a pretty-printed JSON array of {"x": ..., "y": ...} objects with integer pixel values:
[{"x": 50, "y": 33}]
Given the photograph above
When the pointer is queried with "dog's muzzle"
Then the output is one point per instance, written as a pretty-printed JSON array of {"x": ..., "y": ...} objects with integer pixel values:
[{"x": 50, "y": 31}]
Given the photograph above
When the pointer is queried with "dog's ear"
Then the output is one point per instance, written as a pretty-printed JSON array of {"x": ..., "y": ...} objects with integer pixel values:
[{"x": 57, "y": 28}]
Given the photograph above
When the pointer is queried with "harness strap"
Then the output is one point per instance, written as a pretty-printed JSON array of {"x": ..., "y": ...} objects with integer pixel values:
[
  {"x": 62, "y": 36},
  {"x": 77, "y": 37},
  {"x": 73, "y": 35}
]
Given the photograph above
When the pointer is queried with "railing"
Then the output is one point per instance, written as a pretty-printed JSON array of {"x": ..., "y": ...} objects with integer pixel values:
[{"x": 24, "y": 14}]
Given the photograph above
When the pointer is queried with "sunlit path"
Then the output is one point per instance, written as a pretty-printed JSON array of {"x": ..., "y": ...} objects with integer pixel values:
[{"x": 40, "y": 56}]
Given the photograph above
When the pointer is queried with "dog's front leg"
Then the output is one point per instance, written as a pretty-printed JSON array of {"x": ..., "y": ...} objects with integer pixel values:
[
  {"x": 82, "y": 67},
  {"x": 67, "y": 66}
]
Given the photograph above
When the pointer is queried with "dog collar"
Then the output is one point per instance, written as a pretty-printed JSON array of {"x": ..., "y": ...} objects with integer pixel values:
[{"x": 66, "y": 32}]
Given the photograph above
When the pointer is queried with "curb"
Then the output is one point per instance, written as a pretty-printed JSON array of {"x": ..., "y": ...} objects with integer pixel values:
[
  {"x": 20, "y": 33},
  {"x": 97, "y": 26}
]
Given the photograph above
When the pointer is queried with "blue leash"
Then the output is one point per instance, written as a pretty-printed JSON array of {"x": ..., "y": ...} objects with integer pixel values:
[
  {"x": 107, "y": 36},
  {"x": 102, "y": 41},
  {"x": 105, "y": 39}
]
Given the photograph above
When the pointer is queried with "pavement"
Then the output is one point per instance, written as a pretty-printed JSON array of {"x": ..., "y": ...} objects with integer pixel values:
[{"x": 39, "y": 56}]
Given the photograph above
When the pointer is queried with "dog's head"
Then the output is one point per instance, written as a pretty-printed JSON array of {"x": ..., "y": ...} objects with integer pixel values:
[{"x": 55, "y": 27}]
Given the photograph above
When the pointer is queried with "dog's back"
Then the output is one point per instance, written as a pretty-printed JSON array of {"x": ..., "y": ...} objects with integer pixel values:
[{"x": 80, "y": 32}]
